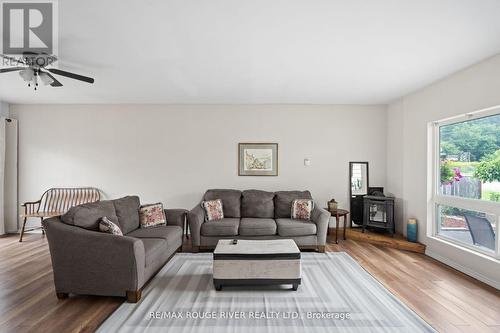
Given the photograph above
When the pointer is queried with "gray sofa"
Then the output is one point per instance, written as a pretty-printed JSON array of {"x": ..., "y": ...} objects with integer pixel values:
[
  {"x": 255, "y": 214},
  {"x": 86, "y": 261}
]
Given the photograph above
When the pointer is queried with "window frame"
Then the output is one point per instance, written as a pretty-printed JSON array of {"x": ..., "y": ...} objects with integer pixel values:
[{"x": 437, "y": 199}]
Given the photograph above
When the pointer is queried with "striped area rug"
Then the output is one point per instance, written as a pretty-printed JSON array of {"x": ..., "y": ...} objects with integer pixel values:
[{"x": 336, "y": 295}]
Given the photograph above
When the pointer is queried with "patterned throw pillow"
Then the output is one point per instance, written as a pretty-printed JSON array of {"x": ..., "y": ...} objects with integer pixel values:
[
  {"x": 152, "y": 215},
  {"x": 213, "y": 210},
  {"x": 302, "y": 209},
  {"x": 107, "y": 226}
]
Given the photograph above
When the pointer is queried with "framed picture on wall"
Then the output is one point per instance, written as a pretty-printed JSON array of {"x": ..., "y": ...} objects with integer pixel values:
[{"x": 258, "y": 159}]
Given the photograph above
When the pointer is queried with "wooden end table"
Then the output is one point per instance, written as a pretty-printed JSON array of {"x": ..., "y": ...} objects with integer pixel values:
[{"x": 338, "y": 213}]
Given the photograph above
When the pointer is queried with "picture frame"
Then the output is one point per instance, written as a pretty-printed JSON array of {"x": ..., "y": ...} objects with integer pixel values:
[{"x": 257, "y": 159}]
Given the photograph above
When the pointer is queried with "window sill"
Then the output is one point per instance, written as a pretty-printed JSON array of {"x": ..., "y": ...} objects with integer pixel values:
[{"x": 461, "y": 247}]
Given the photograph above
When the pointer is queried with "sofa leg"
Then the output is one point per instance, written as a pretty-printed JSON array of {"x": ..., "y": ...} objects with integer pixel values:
[
  {"x": 134, "y": 296},
  {"x": 195, "y": 249},
  {"x": 321, "y": 248},
  {"x": 62, "y": 295}
]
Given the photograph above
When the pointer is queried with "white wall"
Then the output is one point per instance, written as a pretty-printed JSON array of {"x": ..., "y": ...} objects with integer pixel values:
[
  {"x": 395, "y": 158},
  {"x": 174, "y": 153},
  {"x": 472, "y": 89}
]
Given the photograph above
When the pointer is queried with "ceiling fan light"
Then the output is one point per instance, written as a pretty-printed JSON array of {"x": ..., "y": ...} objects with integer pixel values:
[
  {"x": 27, "y": 74},
  {"x": 46, "y": 79}
]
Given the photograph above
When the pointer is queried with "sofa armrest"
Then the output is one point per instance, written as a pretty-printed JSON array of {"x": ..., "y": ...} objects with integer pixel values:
[
  {"x": 92, "y": 262},
  {"x": 176, "y": 217},
  {"x": 321, "y": 217},
  {"x": 195, "y": 217}
]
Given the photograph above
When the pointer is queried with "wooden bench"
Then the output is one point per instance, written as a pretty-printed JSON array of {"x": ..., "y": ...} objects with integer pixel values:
[{"x": 57, "y": 201}]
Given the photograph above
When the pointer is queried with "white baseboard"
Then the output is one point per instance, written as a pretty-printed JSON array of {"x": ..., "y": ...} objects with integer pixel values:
[{"x": 465, "y": 270}]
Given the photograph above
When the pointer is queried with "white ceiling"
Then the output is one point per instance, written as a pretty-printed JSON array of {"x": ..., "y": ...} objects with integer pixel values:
[{"x": 262, "y": 51}]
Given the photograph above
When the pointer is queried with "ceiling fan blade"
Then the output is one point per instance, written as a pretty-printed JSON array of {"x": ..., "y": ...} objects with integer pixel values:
[
  {"x": 12, "y": 69},
  {"x": 19, "y": 60},
  {"x": 55, "y": 83},
  {"x": 71, "y": 75}
]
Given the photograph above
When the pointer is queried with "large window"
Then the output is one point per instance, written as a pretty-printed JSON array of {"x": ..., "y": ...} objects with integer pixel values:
[{"x": 466, "y": 189}]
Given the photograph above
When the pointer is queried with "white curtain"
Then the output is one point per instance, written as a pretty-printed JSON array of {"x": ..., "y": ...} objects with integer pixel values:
[
  {"x": 3, "y": 122},
  {"x": 8, "y": 176}
]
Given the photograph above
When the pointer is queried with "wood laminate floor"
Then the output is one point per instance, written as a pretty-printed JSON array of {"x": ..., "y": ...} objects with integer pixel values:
[{"x": 447, "y": 299}]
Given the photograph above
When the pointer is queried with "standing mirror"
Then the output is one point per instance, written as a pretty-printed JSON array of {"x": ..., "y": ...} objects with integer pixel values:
[
  {"x": 358, "y": 173},
  {"x": 359, "y": 183}
]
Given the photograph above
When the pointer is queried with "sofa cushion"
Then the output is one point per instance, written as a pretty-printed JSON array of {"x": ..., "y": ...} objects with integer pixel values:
[
  {"x": 302, "y": 209},
  {"x": 89, "y": 215},
  {"x": 152, "y": 215},
  {"x": 255, "y": 203},
  {"x": 153, "y": 249},
  {"x": 292, "y": 228},
  {"x": 170, "y": 233},
  {"x": 231, "y": 201},
  {"x": 127, "y": 211},
  {"x": 107, "y": 226},
  {"x": 213, "y": 210},
  {"x": 224, "y": 227},
  {"x": 283, "y": 202},
  {"x": 250, "y": 226}
]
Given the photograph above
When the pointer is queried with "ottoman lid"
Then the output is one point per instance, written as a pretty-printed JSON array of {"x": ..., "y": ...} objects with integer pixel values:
[{"x": 256, "y": 249}]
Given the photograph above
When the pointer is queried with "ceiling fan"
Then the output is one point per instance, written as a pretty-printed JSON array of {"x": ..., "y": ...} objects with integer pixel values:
[{"x": 33, "y": 68}]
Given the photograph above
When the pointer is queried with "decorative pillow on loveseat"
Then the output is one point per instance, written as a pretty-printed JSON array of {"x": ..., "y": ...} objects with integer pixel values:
[
  {"x": 109, "y": 227},
  {"x": 152, "y": 215},
  {"x": 302, "y": 209},
  {"x": 213, "y": 210}
]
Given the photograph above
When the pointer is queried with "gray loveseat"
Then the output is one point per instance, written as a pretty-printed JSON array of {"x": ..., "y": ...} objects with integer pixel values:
[
  {"x": 255, "y": 214},
  {"x": 86, "y": 261}
]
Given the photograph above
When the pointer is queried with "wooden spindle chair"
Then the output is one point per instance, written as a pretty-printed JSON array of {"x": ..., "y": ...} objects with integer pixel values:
[{"x": 57, "y": 201}]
